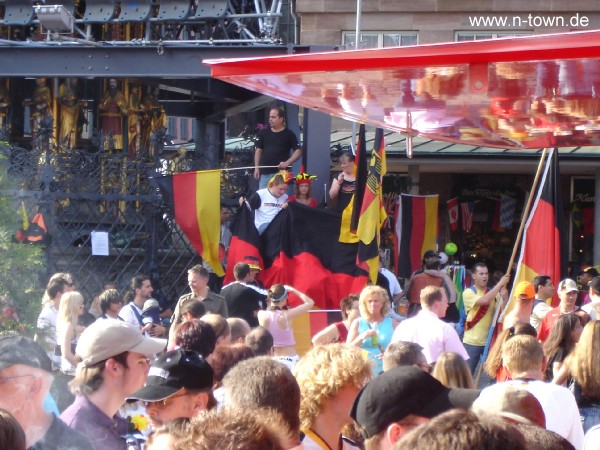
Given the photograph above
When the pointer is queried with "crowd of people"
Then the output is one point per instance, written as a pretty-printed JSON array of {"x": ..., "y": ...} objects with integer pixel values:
[{"x": 227, "y": 373}]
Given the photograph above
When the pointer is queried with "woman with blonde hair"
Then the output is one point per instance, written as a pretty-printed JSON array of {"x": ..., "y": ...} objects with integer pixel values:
[
  {"x": 71, "y": 307},
  {"x": 278, "y": 320},
  {"x": 373, "y": 330},
  {"x": 453, "y": 371},
  {"x": 583, "y": 365},
  {"x": 67, "y": 332}
]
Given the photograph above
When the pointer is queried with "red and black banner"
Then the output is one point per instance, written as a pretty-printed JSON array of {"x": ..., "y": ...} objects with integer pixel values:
[{"x": 300, "y": 248}]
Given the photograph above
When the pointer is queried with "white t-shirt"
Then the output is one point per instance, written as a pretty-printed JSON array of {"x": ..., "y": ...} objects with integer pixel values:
[
  {"x": 395, "y": 288},
  {"x": 129, "y": 316},
  {"x": 560, "y": 409},
  {"x": 269, "y": 207},
  {"x": 47, "y": 322}
]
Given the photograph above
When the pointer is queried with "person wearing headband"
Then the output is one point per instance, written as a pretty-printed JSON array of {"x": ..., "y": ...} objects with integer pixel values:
[{"x": 278, "y": 320}]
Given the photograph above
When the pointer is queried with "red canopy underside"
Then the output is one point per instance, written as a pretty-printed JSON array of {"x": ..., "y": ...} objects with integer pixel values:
[{"x": 523, "y": 92}]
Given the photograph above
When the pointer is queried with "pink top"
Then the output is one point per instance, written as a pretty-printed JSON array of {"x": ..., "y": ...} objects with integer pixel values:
[{"x": 281, "y": 337}]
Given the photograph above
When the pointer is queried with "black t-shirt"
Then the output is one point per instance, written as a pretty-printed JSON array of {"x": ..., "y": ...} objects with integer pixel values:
[
  {"x": 276, "y": 147},
  {"x": 60, "y": 437},
  {"x": 345, "y": 195},
  {"x": 243, "y": 302}
]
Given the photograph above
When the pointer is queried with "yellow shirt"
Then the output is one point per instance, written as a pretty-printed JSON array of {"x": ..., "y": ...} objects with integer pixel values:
[{"x": 478, "y": 334}]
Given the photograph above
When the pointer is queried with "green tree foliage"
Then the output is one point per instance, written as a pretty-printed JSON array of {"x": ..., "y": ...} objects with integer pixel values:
[{"x": 20, "y": 265}]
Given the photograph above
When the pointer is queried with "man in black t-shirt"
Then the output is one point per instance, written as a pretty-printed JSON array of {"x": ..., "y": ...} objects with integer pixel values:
[
  {"x": 273, "y": 148},
  {"x": 242, "y": 300}
]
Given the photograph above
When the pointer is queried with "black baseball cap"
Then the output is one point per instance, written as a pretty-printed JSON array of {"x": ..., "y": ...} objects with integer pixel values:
[
  {"x": 402, "y": 391},
  {"x": 591, "y": 271},
  {"x": 173, "y": 371},
  {"x": 17, "y": 349},
  {"x": 430, "y": 254}
]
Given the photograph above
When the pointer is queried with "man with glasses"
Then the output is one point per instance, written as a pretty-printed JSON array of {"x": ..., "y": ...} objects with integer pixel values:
[
  {"x": 428, "y": 330},
  {"x": 25, "y": 379},
  {"x": 113, "y": 364},
  {"x": 179, "y": 385}
]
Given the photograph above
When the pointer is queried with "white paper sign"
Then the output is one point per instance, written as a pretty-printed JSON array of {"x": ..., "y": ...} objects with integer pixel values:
[{"x": 100, "y": 243}]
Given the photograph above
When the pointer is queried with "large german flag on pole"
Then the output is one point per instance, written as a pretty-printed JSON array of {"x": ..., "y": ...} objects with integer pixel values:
[
  {"x": 542, "y": 246},
  {"x": 351, "y": 214},
  {"x": 372, "y": 212},
  {"x": 196, "y": 201},
  {"x": 416, "y": 230}
]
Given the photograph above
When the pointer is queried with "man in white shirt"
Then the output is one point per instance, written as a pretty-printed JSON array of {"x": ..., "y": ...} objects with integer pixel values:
[
  {"x": 46, "y": 322},
  {"x": 544, "y": 290},
  {"x": 132, "y": 312},
  {"x": 523, "y": 358},
  {"x": 427, "y": 330},
  {"x": 593, "y": 308}
]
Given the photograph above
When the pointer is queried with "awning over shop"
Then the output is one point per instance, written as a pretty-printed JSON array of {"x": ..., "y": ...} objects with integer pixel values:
[{"x": 515, "y": 93}]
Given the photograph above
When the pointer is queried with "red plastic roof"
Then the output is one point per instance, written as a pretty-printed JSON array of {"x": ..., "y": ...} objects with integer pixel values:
[{"x": 522, "y": 92}]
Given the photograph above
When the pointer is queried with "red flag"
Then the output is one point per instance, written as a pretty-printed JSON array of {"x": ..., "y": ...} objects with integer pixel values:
[
  {"x": 542, "y": 246},
  {"x": 300, "y": 248},
  {"x": 453, "y": 213}
]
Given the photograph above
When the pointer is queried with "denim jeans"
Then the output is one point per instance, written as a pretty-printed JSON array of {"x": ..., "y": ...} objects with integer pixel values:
[
  {"x": 474, "y": 352},
  {"x": 590, "y": 416}
]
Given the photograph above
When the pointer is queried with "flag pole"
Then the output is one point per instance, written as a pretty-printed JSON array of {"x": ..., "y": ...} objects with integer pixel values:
[
  {"x": 497, "y": 314},
  {"x": 527, "y": 209}
]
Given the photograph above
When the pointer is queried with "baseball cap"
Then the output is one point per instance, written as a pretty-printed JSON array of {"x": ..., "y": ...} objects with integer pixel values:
[
  {"x": 567, "y": 285},
  {"x": 149, "y": 304},
  {"x": 591, "y": 271},
  {"x": 173, "y": 371},
  {"x": 401, "y": 391},
  {"x": 253, "y": 262},
  {"x": 430, "y": 254},
  {"x": 525, "y": 290},
  {"x": 507, "y": 400},
  {"x": 109, "y": 337},
  {"x": 17, "y": 349}
]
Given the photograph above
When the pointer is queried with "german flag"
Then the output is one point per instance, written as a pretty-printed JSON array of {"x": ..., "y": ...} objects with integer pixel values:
[
  {"x": 351, "y": 214},
  {"x": 416, "y": 230},
  {"x": 542, "y": 246},
  {"x": 195, "y": 200},
  {"x": 372, "y": 212},
  {"x": 300, "y": 247}
]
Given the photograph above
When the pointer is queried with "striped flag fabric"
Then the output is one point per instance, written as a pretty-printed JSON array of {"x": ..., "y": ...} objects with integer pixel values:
[
  {"x": 507, "y": 211},
  {"x": 543, "y": 251},
  {"x": 453, "y": 213},
  {"x": 195, "y": 200},
  {"x": 467, "y": 210},
  {"x": 416, "y": 230},
  {"x": 372, "y": 212}
]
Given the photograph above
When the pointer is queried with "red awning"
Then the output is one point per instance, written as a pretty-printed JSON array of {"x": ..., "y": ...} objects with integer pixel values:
[{"x": 522, "y": 92}]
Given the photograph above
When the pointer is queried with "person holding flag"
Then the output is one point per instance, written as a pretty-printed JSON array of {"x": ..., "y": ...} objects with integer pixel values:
[{"x": 480, "y": 303}]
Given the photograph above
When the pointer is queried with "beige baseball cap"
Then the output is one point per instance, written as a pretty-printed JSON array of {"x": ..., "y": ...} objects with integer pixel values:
[
  {"x": 508, "y": 401},
  {"x": 106, "y": 338}
]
